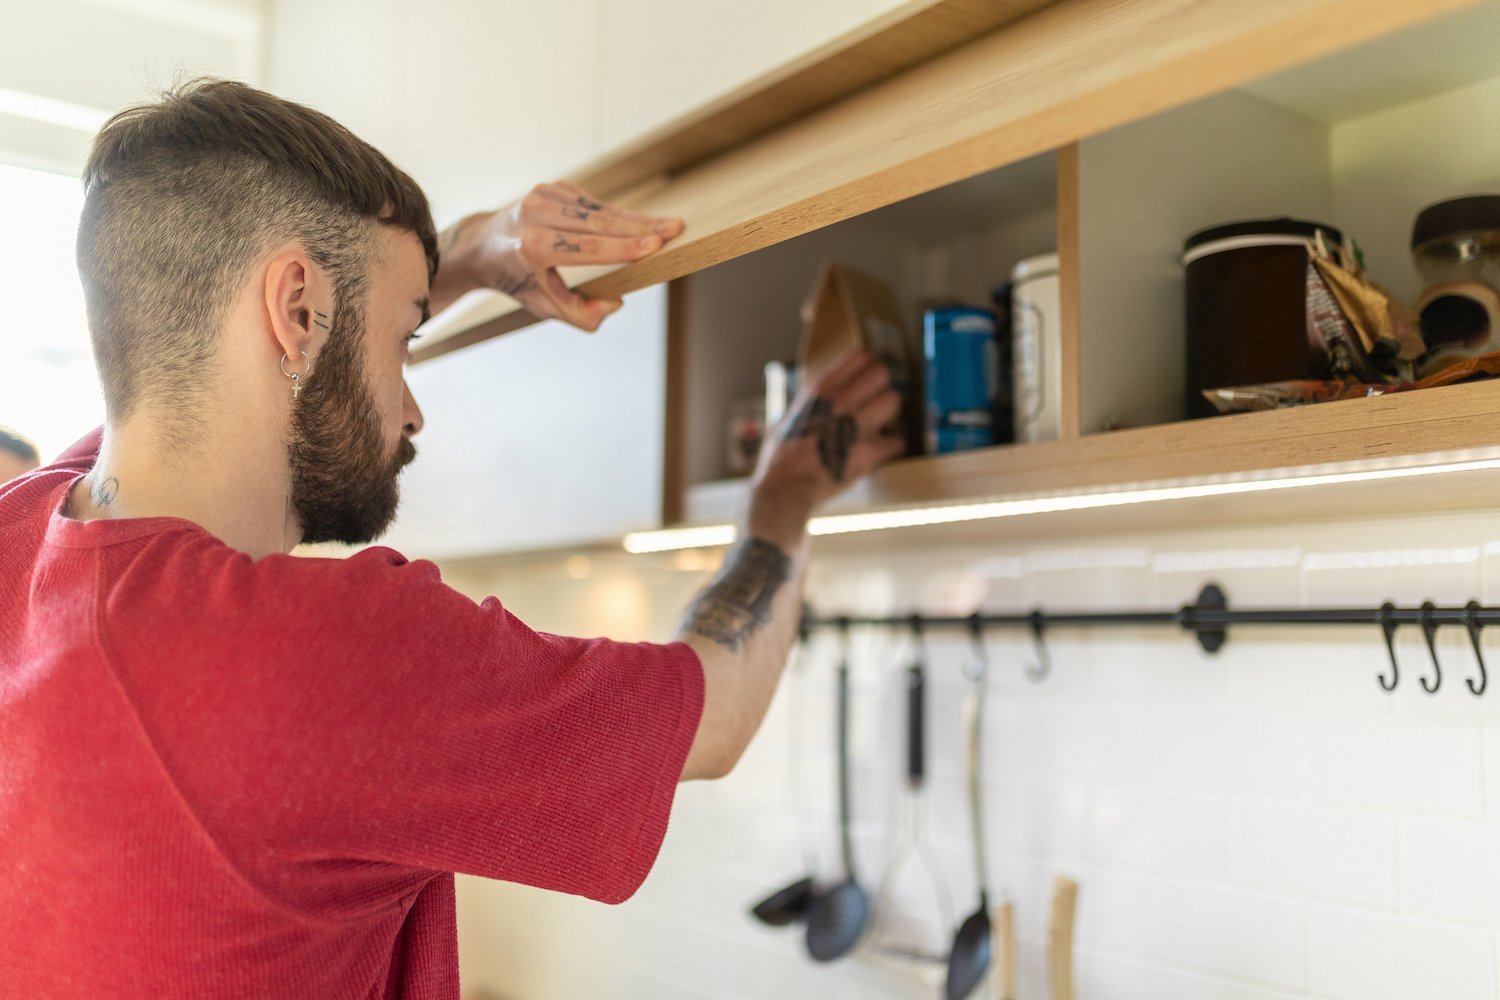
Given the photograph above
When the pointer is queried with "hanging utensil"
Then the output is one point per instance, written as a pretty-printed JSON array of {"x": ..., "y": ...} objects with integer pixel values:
[
  {"x": 978, "y": 940},
  {"x": 913, "y": 840},
  {"x": 837, "y": 918},
  {"x": 789, "y": 905},
  {"x": 1060, "y": 938}
]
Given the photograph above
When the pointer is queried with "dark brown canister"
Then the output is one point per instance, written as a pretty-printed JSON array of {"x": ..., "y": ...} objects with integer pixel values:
[{"x": 1246, "y": 312}]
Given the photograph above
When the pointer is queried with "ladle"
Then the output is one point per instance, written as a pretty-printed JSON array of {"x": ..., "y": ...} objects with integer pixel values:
[
  {"x": 789, "y": 905},
  {"x": 974, "y": 944},
  {"x": 838, "y": 916}
]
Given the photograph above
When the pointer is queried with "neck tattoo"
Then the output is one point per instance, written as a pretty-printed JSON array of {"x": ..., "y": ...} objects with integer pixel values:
[{"x": 103, "y": 492}]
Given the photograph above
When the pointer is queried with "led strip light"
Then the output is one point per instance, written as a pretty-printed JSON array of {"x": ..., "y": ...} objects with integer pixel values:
[{"x": 670, "y": 539}]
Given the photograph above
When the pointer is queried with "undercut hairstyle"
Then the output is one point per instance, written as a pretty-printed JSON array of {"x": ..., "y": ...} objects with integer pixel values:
[
  {"x": 181, "y": 198},
  {"x": 18, "y": 446}
]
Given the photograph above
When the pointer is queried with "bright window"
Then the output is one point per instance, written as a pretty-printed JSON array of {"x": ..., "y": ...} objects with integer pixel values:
[{"x": 49, "y": 391}]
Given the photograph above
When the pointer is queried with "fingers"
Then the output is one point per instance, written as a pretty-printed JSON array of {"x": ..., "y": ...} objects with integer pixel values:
[
  {"x": 863, "y": 386},
  {"x": 878, "y": 411},
  {"x": 569, "y": 217},
  {"x": 544, "y": 248},
  {"x": 555, "y": 299},
  {"x": 578, "y": 205}
]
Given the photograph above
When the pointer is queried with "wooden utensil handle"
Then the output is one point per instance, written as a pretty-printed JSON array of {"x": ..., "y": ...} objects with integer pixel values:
[
  {"x": 1003, "y": 933},
  {"x": 1060, "y": 938}
]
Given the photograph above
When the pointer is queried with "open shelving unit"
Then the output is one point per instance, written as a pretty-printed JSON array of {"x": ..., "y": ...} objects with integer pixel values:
[{"x": 1107, "y": 131}]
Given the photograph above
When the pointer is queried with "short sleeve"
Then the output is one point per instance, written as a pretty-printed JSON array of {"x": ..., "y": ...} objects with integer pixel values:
[{"x": 372, "y": 726}]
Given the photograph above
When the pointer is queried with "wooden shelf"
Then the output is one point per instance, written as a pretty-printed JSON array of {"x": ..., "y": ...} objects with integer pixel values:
[
  {"x": 1405, "y": 430},
  {"x": 1059, "y": 74}
]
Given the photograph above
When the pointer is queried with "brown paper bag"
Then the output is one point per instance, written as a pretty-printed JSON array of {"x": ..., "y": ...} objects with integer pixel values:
[{"x": 848, "y": 309}]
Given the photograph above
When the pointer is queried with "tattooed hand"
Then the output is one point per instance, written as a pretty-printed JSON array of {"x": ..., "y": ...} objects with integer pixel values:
[
  {"x": 832, "y": 437},
  {"x": 518, "y": 250}
]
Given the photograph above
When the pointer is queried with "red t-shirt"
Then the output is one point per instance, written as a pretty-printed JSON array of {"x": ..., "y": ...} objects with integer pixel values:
[{"x": 231, "y": 778}]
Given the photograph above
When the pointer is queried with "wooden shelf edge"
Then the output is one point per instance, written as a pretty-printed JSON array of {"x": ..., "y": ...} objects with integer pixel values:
[{"x": 1403, "y": 430}]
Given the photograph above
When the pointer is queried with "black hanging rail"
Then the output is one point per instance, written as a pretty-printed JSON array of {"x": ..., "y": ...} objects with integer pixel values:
[{"x": 1209, "y": 620}]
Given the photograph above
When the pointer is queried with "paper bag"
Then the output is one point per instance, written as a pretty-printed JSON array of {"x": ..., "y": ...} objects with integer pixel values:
[{"x": 848, "y": 309}]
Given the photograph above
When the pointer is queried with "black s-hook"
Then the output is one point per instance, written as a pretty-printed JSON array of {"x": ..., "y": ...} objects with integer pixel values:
[
  {"x": 1471, "y": 620},
  {"x": 1429, "y": 632},
  {"x": 1388, "y": 628}
]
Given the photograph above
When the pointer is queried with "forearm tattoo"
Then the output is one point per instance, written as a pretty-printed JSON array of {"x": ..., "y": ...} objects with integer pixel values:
[
  {"x": 836, "y": 435},
  {"x": 739, "y": 601},
  {"x": 516, "y": 287}
]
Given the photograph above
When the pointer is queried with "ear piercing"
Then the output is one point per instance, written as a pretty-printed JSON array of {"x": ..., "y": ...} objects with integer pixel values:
[{"x": 297, "y": 377}]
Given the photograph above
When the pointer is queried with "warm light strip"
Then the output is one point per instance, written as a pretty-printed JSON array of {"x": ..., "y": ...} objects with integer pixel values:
[
  {"x": 837, "y": 524},
  {"x": 668, "y": 539}
]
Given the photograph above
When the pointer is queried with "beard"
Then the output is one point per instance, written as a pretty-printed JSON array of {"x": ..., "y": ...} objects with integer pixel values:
[{"x": 344, "y": 485}]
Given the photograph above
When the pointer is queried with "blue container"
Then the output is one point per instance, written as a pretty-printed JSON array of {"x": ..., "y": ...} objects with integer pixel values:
[{"x": 962, "y": 374}]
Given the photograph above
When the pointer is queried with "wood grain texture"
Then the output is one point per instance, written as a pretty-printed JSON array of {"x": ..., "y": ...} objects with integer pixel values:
[
  {"x": 1056, "y": 76},
  {"x": 1403, "y": 427},
  {"x": 1070, "y": 294}
]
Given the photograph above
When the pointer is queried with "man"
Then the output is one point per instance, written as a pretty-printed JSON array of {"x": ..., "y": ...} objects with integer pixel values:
[
  {"x": 225, "y": 772},
  {"x": 17, "y": 455}
]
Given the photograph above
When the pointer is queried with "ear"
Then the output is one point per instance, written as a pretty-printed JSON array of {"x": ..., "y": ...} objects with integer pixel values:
[{"x": 299, "y": 305}]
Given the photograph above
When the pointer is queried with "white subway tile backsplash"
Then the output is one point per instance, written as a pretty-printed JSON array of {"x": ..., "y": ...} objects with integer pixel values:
[
  {"x": 1451, "y": 870},
  {"x": 1492, "y": 768},
  {"x": 1237, "y": 752},
  {"x": 1245, "y": 935},
  {"x": 1399, "y": 764},
  {"x": 1169, "y": 832},
  {"x": 1336, "y": 854},
  {"x": 1357, "y": 955},
  {"x": 1114, "y": 977}
]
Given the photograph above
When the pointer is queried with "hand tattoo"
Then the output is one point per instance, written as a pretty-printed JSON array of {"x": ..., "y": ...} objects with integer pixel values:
[
  {"x": 516, "y": 287},
  {"x": 581, "y": 214},
  {"x": 739, "y": 601},
  {"x": 563, "y": 246},
  {"x": 103, "y": 493},
  {"x": 590, "y": 204},
  {"x": 836, "y": 435}
]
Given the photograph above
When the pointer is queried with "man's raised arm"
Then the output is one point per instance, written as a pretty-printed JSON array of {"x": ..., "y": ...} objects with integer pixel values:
[{"x": 743, "y": 624}]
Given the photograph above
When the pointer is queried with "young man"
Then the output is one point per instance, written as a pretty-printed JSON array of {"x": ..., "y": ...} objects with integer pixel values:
[{"x": 226, "y": 772}]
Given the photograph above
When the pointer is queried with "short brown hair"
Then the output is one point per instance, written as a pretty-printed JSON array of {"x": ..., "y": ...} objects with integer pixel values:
[{"x": 181, "y": 196}]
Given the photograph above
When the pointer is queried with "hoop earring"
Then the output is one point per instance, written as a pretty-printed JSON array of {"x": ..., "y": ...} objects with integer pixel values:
[{"x": 297, "y": 377}]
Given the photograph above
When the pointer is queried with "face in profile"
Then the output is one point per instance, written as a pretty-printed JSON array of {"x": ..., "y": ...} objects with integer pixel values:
[{"x": 344, "y": 475}]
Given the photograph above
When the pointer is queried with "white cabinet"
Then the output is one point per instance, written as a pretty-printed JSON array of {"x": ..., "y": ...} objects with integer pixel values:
[
  {"x": 650, "y": 47},
  {"x": 543, "y": 438}
]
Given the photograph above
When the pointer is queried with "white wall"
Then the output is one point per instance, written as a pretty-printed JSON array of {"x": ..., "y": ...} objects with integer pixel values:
[
  {"x": 66, "y": 65},
  {"x": 1391, "y": 164},
  {"x": 1258, "y": 825}
]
